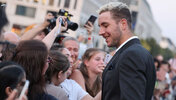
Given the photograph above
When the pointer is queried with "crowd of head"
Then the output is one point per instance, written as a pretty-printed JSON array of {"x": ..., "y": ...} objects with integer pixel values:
[
  {"x": 166, "y": 78},
  {"x": 48, "y": 65},
  {"x": 55, "y": 70}
]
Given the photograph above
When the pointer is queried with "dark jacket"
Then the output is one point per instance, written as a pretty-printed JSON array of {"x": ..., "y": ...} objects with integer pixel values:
[{"x": 130, "y": 74}]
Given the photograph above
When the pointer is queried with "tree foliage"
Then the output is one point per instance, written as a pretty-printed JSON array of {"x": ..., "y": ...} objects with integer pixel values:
[{"x": 155, "y": 49}]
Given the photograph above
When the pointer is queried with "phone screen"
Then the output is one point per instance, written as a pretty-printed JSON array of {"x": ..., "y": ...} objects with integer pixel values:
[{"x": 92, "y": 19}]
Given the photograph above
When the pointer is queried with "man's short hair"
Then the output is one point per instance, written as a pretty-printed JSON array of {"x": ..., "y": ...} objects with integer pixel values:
[
  {"x": 69, "y": 38},
  {"x": 118, "y": 10}
]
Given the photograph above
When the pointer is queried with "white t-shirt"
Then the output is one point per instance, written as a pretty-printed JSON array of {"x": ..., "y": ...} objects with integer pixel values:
[{"x": 73, "y": 89}]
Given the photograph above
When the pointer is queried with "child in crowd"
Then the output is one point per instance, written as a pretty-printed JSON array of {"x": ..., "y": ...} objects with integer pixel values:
[{"x": 91, "y": 68}]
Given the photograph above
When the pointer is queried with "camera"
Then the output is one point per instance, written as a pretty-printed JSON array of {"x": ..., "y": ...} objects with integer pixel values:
[{"x": 70, "y": 25}]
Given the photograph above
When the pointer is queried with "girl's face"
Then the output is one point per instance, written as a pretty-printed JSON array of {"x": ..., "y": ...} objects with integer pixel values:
[{"x": 96, "y": 63}]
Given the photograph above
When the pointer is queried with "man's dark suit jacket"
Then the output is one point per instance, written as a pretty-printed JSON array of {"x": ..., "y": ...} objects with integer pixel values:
[{"x": 130, "y": 74}]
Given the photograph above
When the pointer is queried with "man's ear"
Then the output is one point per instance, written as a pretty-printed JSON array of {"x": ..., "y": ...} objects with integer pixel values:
[
  {"x": 123, "y": 24},
  {"x": 8, "y": 91}
]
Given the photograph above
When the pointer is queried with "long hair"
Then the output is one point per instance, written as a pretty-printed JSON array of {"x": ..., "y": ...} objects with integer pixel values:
[
  {"x": 58, "y": 63},
  {"x": 83, "y": 68},
  {"x": 10, "y": 75},
  {"x": 32, "y": 55}
]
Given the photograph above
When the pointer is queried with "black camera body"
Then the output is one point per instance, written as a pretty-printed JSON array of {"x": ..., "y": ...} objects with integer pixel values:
[{"x": 70, "y": 25}]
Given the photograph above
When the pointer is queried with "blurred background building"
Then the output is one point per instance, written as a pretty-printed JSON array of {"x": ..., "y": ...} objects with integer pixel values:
[{"x": 22, "y": 13}]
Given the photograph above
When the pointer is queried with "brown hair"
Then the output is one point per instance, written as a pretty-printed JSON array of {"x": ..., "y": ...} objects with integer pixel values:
[
  {"x": 59, "y": 63},
  {"x": 97, "y": 84},
  {"x": 32, "y": 55}
]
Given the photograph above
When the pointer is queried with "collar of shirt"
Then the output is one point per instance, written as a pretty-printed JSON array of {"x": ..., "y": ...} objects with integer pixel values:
[{"x": 133, "y": 37}]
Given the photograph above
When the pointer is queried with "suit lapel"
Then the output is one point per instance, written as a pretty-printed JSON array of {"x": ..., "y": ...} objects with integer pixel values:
[{"x": 117, "y": 54}]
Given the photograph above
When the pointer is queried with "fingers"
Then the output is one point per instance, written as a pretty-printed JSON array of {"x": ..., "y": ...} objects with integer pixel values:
[
  {"x": 61, "y": 19},
  {"x": 12, "y": 95},
  {"x": 24, "y": 97},
  {"x": 89, "y": 27},
  {"x": 90, "y": 24}
]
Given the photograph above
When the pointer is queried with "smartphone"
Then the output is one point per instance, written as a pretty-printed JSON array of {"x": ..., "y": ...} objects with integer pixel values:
[
  {"x": 26, "y": 85},
  {"x": 92, "y": 19},
  {"x": 107, "y": 58}
]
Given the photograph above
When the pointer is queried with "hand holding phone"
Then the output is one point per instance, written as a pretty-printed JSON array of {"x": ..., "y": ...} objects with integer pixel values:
[
  {"x": 89, "y": 24},
  {"x": 25, "y": 88},
  {"x": 92, "y": 19}
]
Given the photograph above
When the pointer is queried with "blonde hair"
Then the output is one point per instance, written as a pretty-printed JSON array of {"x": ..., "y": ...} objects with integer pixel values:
[
  {"x": 118, "y": 11},
  {"x": 112, "y": 5}
]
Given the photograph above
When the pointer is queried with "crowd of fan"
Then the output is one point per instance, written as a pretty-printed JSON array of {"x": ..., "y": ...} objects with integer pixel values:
[
  {"x": 56, "y": 72},
  {"x": 53, "y": 69},
  {"x": 166, "y": 79}
]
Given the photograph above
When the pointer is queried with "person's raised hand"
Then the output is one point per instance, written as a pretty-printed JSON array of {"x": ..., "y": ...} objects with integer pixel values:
[
  {"x": 49, "y": 16},
  {"x": 13, "y": 96},
  {"x": 60, "y": 20},
  {"x": 89, "y": 27}
]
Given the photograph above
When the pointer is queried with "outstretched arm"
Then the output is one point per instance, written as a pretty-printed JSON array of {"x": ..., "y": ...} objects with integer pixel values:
[
  {"x": 49, "y": 39},
  {"x": 33, "y": 32}
]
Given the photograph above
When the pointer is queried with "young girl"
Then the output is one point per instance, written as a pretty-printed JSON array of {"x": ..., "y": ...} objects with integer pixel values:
[
  {"x": 57, "y": 75},
  {"x": 91, "y": 68}
]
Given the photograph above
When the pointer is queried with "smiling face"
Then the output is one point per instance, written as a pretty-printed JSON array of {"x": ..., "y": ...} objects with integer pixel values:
[
  {"x": 96, "y": 63},
  {"x": 73, "y": 47},
  {"x": 109, "y": 29}
]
